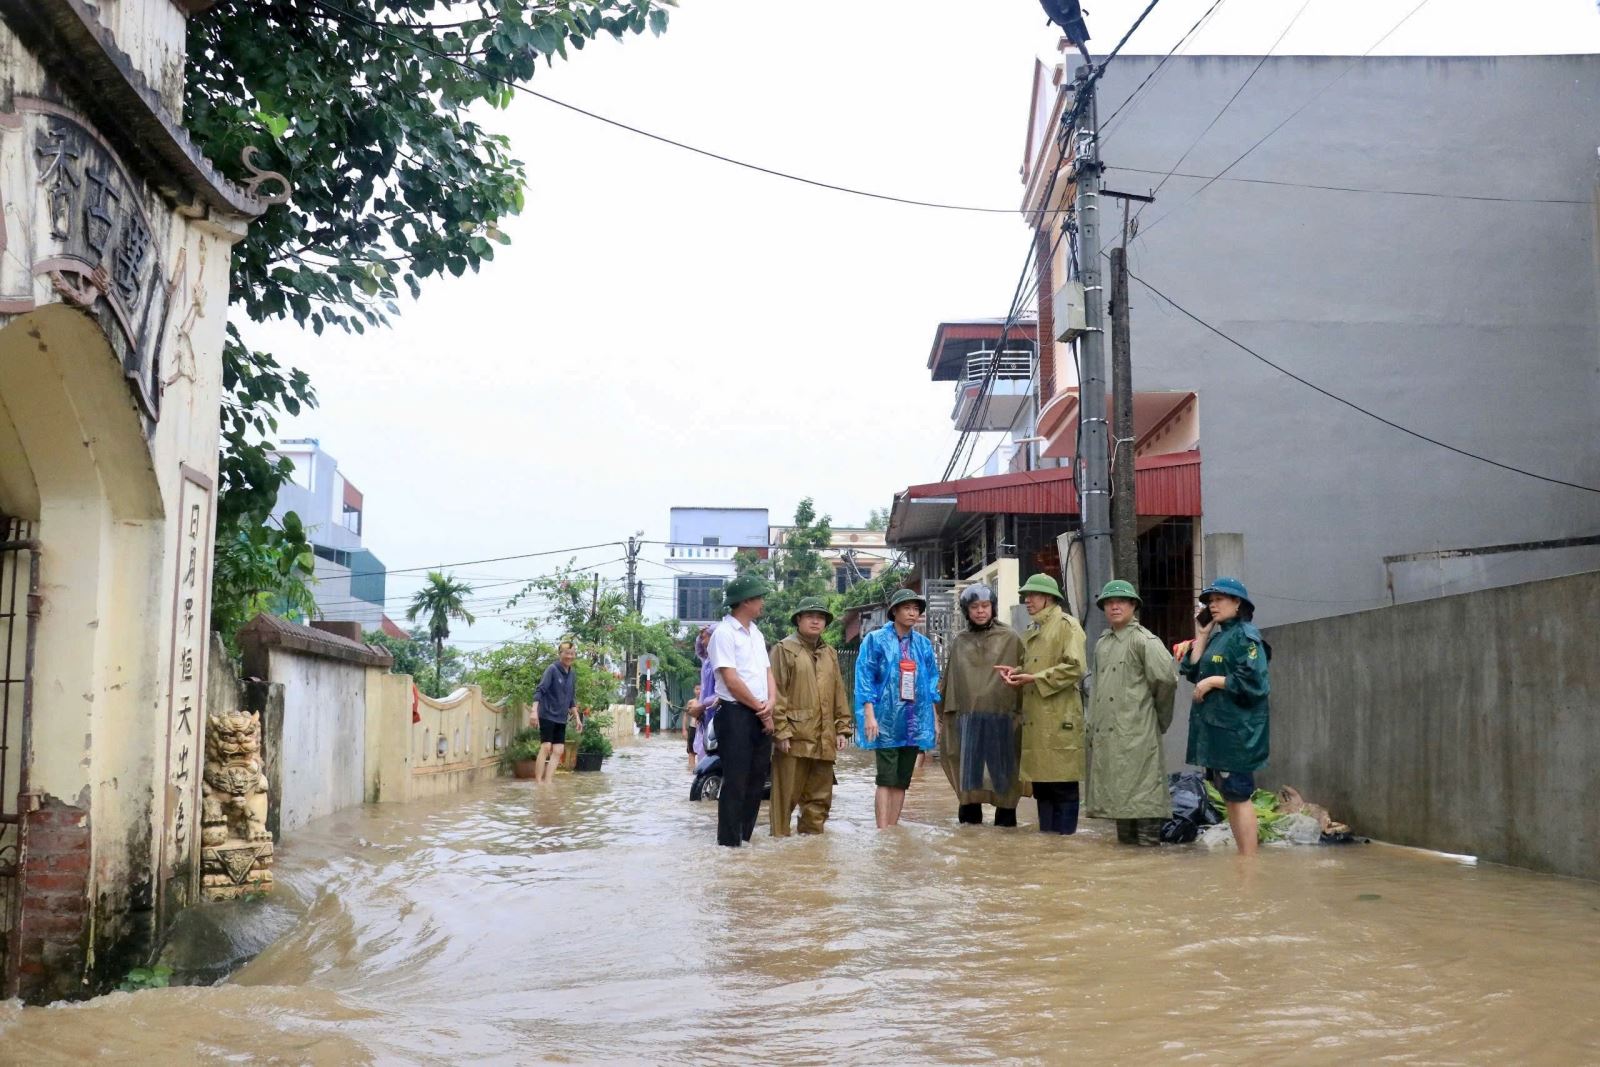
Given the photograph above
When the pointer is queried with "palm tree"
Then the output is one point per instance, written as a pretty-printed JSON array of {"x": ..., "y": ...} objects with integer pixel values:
[{"x": 441, "y": 600}]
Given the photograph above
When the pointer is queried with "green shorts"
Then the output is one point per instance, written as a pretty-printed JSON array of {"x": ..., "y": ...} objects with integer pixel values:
[{"x": 895, "y": 766}]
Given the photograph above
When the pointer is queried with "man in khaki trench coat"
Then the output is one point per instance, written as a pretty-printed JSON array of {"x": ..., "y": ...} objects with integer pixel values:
[
  {"x": 1130, "y": 708},
  {"x": 1052, "y": 709},
  {"x": 811, "y": 721}
]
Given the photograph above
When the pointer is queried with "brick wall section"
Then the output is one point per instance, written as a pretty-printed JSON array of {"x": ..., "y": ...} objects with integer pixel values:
[
  {"x": 1047, "y": 313},
  {"x": 53, "y": 904}
]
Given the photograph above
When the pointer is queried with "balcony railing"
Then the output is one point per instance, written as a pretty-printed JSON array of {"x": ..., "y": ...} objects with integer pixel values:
[
  {"x": 702, "y": 552},
  {"x": 999, "y": 405}
]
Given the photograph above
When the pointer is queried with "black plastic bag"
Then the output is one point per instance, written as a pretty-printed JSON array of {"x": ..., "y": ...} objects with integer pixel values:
[{"x": 1190, "y": 808}]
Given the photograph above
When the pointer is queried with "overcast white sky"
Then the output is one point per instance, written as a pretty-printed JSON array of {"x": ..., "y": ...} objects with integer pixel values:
[{"x": 670, "y": 330}]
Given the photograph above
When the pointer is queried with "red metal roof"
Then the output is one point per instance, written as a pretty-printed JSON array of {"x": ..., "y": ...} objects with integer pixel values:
[
  {"x": 1164, "y": 485},
  {"x": 979, "y": 330}
]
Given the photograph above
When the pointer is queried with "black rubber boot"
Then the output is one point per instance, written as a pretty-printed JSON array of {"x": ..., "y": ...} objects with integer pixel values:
[
  {"x": 1149, "y": 833},
  {"x": 1005, "y": 816},
  {"x": 1047, "y": 817},
  {"x": 970, "y": 814},
  {"x": 1127, "y": 831},
  {"x": 1067, "y": 811}
]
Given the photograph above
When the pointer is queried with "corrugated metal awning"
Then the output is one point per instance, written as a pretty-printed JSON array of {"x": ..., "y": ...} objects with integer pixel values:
[{"x": 1164, "y": 486}]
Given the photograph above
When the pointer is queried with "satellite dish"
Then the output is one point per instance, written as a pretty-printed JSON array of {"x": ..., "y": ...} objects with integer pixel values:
[{"x": 1074, "y": 571}]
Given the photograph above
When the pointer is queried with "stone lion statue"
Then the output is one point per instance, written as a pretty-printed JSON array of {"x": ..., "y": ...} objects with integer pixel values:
[{"x": 233, "y": 787}]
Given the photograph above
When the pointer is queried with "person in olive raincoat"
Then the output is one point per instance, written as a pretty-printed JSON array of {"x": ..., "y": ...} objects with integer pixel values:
[
  {"x": 1052, "y": 708},
  {"x": 980, "y": 746},
  {"x": 1228, "y": 733},
  {"x": 1129, "y": 709},
  {"x": 811, "y": 719}
]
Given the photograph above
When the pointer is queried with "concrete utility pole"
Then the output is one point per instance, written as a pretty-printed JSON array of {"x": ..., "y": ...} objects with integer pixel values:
[
  {"x": 1124, "y": 513},
  {"x": 1094, "y": 461},
  {"x": 628, "y": 594}
]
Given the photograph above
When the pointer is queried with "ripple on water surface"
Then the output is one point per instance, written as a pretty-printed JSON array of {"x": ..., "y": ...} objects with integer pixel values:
[{"x": 595, "y": 920}]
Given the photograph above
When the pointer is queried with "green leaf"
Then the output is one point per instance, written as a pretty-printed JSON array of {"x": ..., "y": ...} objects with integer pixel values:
[{"x": 277, "y": 125}]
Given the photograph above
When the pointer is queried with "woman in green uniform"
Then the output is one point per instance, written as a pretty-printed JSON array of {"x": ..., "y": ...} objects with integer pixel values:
[
  {"x": 981, "y": 743},
  {"x": 1228, "y": 735}
]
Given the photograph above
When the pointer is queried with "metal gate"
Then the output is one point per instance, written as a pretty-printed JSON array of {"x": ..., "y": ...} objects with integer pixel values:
[{"x": 19, "y": 617}]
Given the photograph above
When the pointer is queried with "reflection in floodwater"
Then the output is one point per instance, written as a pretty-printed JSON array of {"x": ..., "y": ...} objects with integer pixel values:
[{"x": 595, "y": 920}]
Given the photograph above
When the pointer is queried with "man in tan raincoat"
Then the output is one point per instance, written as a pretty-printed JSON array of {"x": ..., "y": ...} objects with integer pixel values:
[
  {"x": 980, "y": 745},
  {"x": 1052, "y": 709},
  {"x": 811, "y": 720},
  {"x": 1130, "y": 708}
]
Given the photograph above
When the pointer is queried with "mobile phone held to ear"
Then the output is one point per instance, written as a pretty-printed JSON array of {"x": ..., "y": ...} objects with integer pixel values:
[{"x": 1203, "y": 616}]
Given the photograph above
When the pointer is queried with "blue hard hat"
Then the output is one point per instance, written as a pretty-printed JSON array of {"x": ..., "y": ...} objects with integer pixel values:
[{"x": 1228, "y": 587}]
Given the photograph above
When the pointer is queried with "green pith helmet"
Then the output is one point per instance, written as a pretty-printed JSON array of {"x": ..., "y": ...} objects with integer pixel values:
[
  {"x": 813, "y": 604},
  {"x": 906, "y": 596},
  {"x": 745, "y": 587},
  {"x": 1118, "y": 588},
  {"x": 1041, "y": 583}
]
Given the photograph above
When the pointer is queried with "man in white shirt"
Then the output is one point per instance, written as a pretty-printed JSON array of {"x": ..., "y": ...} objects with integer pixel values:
[{"x": 738, "y": 654}]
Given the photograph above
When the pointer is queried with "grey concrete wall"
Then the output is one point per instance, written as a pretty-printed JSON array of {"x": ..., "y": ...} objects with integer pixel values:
[
  {"x": 1468, "y": 724},
  {"x": 1472, "y": 321},
  {"x": 319, "y": 761}
]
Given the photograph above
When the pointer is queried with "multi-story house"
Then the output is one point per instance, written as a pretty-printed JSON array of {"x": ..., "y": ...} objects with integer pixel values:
[
  {"x": 855, "y": 553},
  {"x": 1350, "y": 221},
  {"x": 1444, "y": 313},
  {"x": 703, "y": 544},
  {"x": 351, "y": 580}
]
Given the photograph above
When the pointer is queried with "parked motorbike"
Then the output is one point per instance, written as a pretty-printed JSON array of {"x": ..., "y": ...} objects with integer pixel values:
[{"x": 707, "y": 784}]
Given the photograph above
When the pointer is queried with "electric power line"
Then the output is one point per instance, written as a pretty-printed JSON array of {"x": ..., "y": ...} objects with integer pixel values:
[
  {"x": 475, "y": 562},
  {"x": 1291, "y": 116},
  {"x": 1157, "y": 68},
  {"x": 1355, "y": 188},
  {"x": 341, "y": 14},
  {"x": 1224, "y": 110},
  {"x": 1069, "y": 121},
  {"x": 1352, "y": 404}
]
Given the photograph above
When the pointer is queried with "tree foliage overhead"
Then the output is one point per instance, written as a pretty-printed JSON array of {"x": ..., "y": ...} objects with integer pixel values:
[
  {"x": 364, "y": 105},
  {"x": 605, "y": 626},
  {"x": 795, "y": 570}
]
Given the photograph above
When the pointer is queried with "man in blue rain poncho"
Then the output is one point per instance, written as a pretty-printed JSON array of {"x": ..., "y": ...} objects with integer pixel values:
[{"x": 897, "y": 694}]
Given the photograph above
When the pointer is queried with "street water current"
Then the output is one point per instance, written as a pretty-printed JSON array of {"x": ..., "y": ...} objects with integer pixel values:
[{"x": 594, "y": 920}]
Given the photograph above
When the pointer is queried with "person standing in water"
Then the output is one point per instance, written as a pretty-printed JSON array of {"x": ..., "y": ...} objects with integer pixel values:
[
  {"x": 557, "y": 699},
  {"x": 1052, "y": 708},
  {"x": 897, "y": 693},
  {"x": 704, "y": 707},
  {"x": 1129, "y": 709},
  {"x": 980, "y": 744},
  {"x": 1228, "y": 728},
  {"x": 738, "y": 653},
  {"x": 810, "y": 721}
]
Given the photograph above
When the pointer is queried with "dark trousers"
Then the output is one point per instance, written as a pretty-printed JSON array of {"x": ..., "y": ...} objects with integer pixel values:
[
  {"x": 746, "y": 752},
  {"x": 1058, "y": 806}
]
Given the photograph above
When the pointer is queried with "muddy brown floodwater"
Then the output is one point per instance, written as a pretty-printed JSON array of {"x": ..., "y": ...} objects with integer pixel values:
[{"x": 595, "y": 921}]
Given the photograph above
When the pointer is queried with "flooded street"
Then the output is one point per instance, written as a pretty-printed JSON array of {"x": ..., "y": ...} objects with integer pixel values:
[{"x": 596, "y": 921}]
